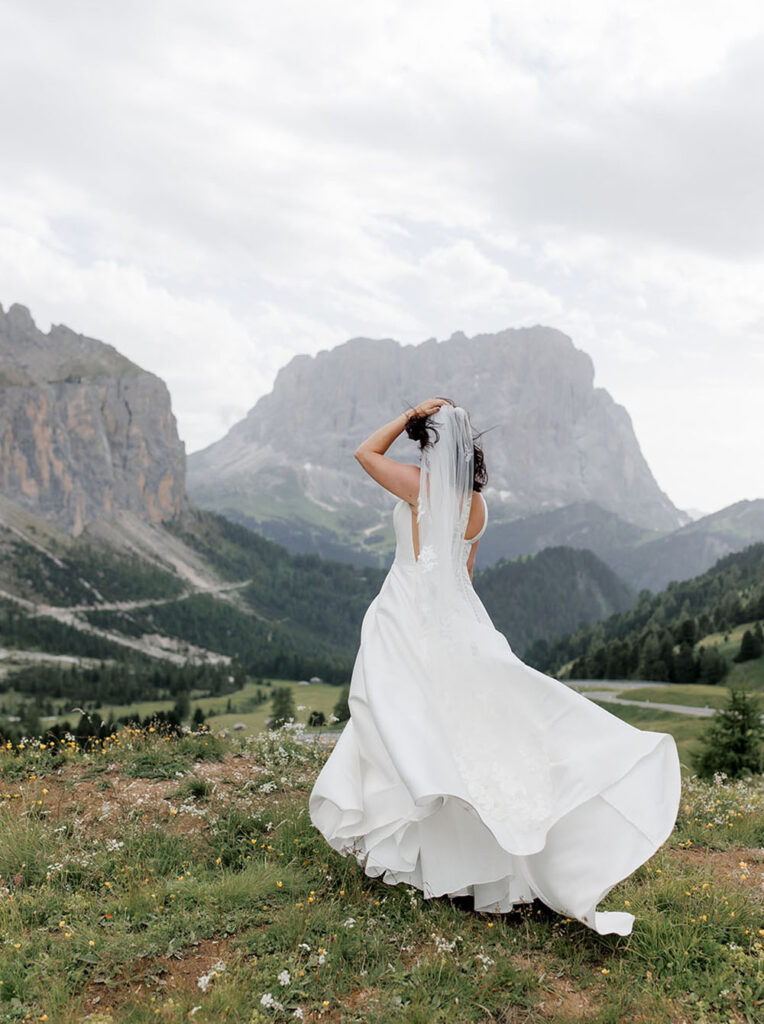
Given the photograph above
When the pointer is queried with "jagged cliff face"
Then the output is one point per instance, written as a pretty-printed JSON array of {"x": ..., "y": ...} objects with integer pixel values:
[
  {"x": 83, "y": 431},
  {"x": 554, "y": 438}
]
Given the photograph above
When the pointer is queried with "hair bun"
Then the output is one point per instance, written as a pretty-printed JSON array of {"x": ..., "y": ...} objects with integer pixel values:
[{"x": 418, "y": 429}]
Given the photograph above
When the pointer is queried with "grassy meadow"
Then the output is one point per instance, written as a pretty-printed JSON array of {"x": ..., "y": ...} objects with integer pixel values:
[
  {"x": 314, "y": 697},
  {"x": 174, "y": 879}
]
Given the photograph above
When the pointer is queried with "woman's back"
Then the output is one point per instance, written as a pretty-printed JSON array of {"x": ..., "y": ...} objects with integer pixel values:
[{"x": 406, "y": 533}]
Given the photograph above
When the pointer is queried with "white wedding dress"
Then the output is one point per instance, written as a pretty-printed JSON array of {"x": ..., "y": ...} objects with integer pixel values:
[{"x": 491, "y": 779}]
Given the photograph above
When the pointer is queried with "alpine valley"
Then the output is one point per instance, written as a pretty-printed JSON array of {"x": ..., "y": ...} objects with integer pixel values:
[{"x": 258, "y": 556}]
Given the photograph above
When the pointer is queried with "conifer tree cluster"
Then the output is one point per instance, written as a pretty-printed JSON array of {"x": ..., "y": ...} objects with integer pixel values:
[
  {"x": 660, "y": 637},
  {"x": 732, "y": 743}
]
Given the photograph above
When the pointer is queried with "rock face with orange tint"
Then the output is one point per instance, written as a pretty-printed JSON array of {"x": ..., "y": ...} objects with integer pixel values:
[{"x": 83, "y": 431}]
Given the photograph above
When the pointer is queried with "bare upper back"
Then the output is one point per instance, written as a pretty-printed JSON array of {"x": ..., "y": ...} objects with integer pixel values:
[{"x": 475, "y": 523}]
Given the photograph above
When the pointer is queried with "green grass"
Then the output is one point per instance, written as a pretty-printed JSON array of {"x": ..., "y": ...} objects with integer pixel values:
[
  {"x": 729, "y": 646},
  {"x": 316, "y": 696},
  {"x": 747, "y": 673},
  {"x": 692, "y": 694},
  {"x": 135, "y": 870}
]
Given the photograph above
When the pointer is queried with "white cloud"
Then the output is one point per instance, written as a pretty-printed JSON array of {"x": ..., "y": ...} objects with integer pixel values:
[
  {"x": 214, "y": 189},
  {"x": 628, "y": 349}
]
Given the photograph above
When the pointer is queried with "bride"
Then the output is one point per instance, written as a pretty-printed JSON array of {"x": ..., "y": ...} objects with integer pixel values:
[{"x": 462, "y": 770}]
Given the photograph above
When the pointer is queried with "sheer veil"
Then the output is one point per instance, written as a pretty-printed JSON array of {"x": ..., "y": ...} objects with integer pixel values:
[{"x": 443, "y": 509}]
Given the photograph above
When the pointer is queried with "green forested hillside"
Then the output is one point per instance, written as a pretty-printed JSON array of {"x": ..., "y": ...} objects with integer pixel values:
[
  {"x": 272, "y": 612},
  {"x": 305, "y": 591},
  {"x": 307, "y": 611},
  {"x": 662, "y": 636},
  {"x": 538, "y": 596},
  {"x": 21, "y": 630},
  {"x": 81, "y": 572}
]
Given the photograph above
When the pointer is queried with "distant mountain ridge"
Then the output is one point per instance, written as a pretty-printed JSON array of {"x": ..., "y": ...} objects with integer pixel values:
[
  {"x": 640, "y": 557},
  {"x": 552, "y": 437},
  {"x": 693, "y": 548},
  {"x": 84, "y": 432}
]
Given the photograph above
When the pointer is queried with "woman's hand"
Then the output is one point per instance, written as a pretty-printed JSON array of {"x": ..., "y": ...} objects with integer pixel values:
[
  {"x": 401, "y": 479},
  {"x": 428, "y": 407}
]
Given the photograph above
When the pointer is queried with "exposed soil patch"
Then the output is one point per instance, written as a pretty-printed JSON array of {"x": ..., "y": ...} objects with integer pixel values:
[
  {"x": 559, "y": 998},
  {"x": 145, "y": 976},
  {"x": 232, "y": 770},
  {"x": 742, "y": 867},
  {"x": 102, "y": 801}
]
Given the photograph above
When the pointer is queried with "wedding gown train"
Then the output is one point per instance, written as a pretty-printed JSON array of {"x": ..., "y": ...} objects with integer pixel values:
[{"x": 491, "y": 779}]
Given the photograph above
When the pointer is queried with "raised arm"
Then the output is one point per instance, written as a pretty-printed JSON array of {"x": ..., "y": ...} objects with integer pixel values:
[{"x": 399, "y": 478}]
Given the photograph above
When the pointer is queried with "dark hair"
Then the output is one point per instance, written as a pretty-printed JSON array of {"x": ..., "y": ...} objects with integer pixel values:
[{"x": 420, "y": 429}]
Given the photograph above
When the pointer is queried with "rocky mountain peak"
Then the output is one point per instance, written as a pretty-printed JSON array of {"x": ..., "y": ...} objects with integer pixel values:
[
  {"x": 83, "y": 430},
  {"x": 551, "y": 437}
]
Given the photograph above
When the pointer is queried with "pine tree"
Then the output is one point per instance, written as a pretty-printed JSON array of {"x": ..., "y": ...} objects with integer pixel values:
[
  {"x": 713, "y": 667},
  {"x": 182, "y": 706},
  {"x": 283, "y": 706},
  {"x": 342, "y": 707},
  {"x": 747, "y": 650},
  {"x": 758, "y": 637},
  {"x": 688, "y": 632},
  {"x": 685, "y": 666},
  {"x": 732, "y": 741},
  {"x": 705, "y": 626},
  {"x": 652, "y": 666}
]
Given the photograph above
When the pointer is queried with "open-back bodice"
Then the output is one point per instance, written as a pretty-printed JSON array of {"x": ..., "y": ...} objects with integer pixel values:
[{"x": 404, "y": 537}]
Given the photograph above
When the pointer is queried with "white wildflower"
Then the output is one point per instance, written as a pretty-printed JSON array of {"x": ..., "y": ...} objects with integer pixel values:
[
  {"x": 284, "y": 977},
  {"x": 206, "y": 979},
  {"x": 270, "y": 1003},
  {"x": 443, "y": 945},
  {"x": 350, "y": 923}
]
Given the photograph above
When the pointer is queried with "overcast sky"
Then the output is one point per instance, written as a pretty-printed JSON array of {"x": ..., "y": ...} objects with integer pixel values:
[{"x": 214, "y": 188}]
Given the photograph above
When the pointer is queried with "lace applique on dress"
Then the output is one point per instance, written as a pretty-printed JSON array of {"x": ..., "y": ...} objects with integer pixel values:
[
  {"x": 427, "y": 558},
  {"x": 506, "y": 771}
]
